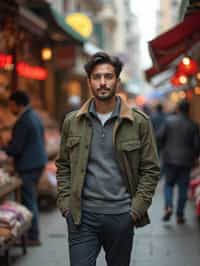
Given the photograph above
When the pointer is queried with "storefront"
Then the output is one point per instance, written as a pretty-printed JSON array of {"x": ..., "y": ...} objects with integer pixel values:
[{"x": 177, "y": 52}]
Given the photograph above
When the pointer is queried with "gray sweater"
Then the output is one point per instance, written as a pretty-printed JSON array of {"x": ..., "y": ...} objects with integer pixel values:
[{"x": 104, "y": 189}]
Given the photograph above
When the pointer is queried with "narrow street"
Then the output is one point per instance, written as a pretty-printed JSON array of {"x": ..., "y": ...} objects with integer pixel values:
[
  {"x": 74, "y": 76},
  {"x": 156, "y": 244}
]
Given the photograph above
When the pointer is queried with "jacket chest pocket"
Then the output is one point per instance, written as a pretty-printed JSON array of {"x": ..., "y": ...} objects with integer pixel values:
[
  {"x": 131, "y": 152},
  {"x": 73, "y": 146},
  {"x": 130, "y": 145}
]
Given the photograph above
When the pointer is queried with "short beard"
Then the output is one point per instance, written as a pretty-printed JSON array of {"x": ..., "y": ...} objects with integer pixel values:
[{"x": 105, "y": 97}]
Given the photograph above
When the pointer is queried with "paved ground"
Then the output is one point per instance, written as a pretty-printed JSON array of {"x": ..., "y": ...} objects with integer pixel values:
[{"x": 157, "y": 244}]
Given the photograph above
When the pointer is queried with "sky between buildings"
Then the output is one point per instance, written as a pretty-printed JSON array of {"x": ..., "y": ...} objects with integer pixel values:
[{"x": 146, "y": 12}]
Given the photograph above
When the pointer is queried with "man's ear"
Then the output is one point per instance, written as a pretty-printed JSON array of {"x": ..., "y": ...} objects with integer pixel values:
[
  {"x": 88, "y": 82},
  {"x": 119, "y": 84}
]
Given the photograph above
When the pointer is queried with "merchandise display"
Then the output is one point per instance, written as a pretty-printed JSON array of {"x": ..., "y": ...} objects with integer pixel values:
[
  {"x": 7, "y": 120},
  {"x": 13, "y": 218},
  {"x": 4, "y": 178},
  {"x": 194, "y": 188},
  {"x": 52, "y": 138},
  {"x": 52, "y": 134},
  {"x": 47, "y": 187}
]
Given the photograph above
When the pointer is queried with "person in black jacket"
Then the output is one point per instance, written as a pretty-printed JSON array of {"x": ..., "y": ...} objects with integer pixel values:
[
  {"x": 180, "y": 142},
  {"x": 27, "y": 147},
  {"x": 158, "y": 118}
]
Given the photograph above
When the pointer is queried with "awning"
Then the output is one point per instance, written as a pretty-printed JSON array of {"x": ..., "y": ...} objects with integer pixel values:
[
  {"x": 58, "y": 29},
  {"x": 151, "y": 72},
  {"x": 168, "y": 46},
  {"x": 66, "y": 27},
  {"x": 156, "y": 77},
  {"x": 31, "y": 21}
]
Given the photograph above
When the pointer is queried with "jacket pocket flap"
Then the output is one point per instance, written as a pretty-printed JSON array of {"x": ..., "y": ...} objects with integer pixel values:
[
  {"x": 130, "y": 145},
  {"x": 72, "y": 141}
]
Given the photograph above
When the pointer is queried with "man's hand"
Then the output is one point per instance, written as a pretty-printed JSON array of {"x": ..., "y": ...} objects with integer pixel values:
[
  {"x": 135, "y": 216},
  {"x": 66, "y": 213}
]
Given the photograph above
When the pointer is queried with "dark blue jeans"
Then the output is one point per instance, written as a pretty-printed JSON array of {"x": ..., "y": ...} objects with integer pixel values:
[
  {"x": 112, "y": 232},
  {"x": 176, "y": 175},
  {"x": 29, "y": 199}
]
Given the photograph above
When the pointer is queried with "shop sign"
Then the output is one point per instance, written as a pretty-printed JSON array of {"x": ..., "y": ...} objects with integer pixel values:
[
  {"x": 5, "y": 60},
  {"x": 80, "y": 23},
  {"x": 24, "y": 69},
  {"x": 32, "y": 72}
]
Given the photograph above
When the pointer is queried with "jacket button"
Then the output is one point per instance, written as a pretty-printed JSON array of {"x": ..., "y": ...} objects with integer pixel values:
[{"x": 86, "y": 146}]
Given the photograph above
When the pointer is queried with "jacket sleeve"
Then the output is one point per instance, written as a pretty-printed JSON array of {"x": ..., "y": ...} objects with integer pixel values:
[
  {"x": 63, "y": 173},
  {"x": 18, "y": 141},
  {"x": 149, "y": 169}
]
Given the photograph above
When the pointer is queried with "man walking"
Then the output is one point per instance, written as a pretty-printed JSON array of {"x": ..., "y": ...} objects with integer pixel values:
[
  {"x": 107, "y": 170},
  {"x": 158, "y": 118},
  {"x": 27, "y": 147},
  {"x": 180, "y": 149}
]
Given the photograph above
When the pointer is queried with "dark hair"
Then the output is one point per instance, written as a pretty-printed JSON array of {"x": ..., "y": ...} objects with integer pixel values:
[
  {"x": 184, "y": 107},
  {"x": 20, "y": 98},
  {"x": 159, "y": 107},
  {"x": 103, "y": 58}
]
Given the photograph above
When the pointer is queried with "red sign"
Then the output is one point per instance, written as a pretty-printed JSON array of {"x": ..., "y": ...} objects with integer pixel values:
[
  {"x": 23, "y": 69},
  {"x": 5, "y": 60},
  {"x": 32, "y": 72}
]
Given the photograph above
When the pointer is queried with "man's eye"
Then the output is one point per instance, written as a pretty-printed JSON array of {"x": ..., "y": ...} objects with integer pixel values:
[
  {"x": 99, "y": 76},
  {"x": 96, "y": 77},
  {"x": 108, "y": 76}
]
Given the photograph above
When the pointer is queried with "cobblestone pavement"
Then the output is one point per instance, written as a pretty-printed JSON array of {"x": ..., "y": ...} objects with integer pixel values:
[{"x": 157, "y": 244}]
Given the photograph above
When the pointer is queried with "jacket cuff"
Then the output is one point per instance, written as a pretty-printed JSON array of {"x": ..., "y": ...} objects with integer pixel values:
[
  {"x": 139, "y": 206},
  {"x": 137, "y": 214},
  {"x": 63, "y": 204}
]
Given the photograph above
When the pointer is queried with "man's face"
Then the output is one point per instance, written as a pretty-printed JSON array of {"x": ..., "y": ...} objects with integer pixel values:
[
  {"x": 14, "y": 108},
  {"x": 103, "y": 82}
]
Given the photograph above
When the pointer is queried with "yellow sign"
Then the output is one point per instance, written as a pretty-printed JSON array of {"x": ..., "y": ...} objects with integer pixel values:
[{"x": 80, "y": 23}]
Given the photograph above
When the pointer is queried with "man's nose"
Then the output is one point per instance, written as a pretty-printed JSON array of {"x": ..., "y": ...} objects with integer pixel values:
[{"x": 102, "y": 80}]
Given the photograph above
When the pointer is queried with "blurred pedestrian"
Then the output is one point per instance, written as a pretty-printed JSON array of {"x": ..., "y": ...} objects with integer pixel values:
[
  {"x": 27, "y": 147},
  {"x": 107, "y": 169},
  {"x": 158, "y": 118},
  {"x": 146, "y": 108},
  {"x": 181, "y": 147}
]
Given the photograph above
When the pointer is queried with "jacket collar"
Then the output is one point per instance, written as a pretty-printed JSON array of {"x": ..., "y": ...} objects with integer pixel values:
[
  {"x": 26, "y": 109},
  {"x": 125, "y": 110}
]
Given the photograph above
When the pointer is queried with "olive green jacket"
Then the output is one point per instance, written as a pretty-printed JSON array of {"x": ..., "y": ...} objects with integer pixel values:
[{"x": 135, "y": 150}]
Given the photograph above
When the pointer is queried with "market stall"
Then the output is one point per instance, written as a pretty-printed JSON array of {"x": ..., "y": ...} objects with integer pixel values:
[{"x": 15, "y": 219}]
